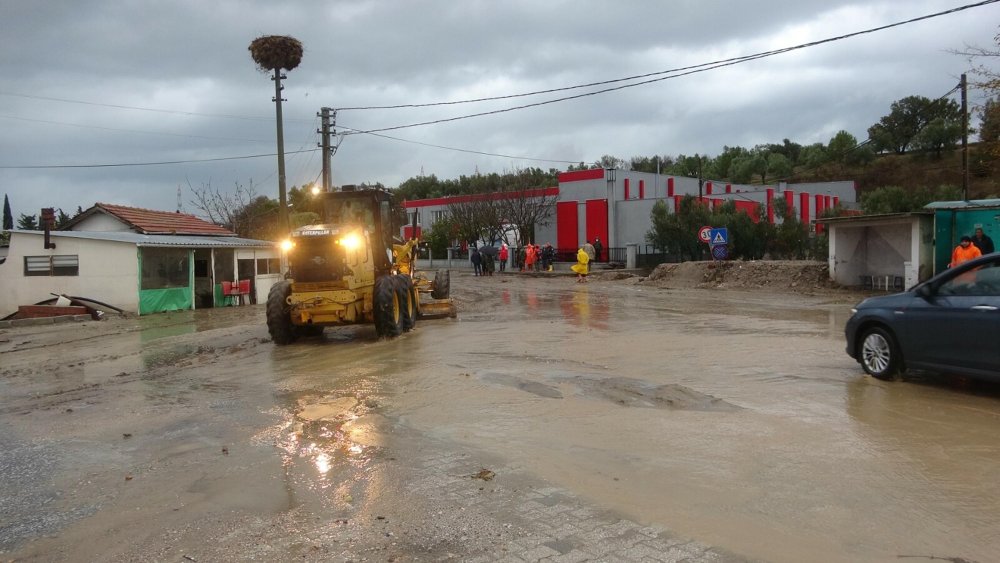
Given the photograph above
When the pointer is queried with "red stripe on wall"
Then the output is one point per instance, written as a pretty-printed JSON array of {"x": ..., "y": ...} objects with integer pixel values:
[
  {"x": 789, "y": 201},
  {"x": 708, "y": 188},
  {"x": 804, "y": 211},
  {"x": 642, "y": 189},
  {"x": 567, "y": 225},
  {"x": 627, "y": 186},
  {"x": 580, "y": 175},
  {"x": 670, "y": 187},
  {"x": 597, "y": 220}
]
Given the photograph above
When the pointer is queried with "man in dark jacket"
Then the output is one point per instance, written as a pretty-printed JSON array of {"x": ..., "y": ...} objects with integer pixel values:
[
  {"x": 982, "y": 242},
  {"x": 477, "y": 261},
  {"x": 598, "y": 248}
]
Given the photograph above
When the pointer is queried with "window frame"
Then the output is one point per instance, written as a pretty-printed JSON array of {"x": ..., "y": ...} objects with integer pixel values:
[{"x": 56, "y": 265}]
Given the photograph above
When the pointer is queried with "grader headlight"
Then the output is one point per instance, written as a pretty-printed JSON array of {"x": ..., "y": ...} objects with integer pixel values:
[
  {"x": 287, "y": 245},
  {"x": 351, "y": 242}
]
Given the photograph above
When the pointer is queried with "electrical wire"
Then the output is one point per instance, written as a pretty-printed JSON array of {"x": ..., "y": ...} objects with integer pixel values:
[
  {"x": 119, "y": 165},
  {"x": 695, "y": 68},
  {"x": 132, "y": 130}
]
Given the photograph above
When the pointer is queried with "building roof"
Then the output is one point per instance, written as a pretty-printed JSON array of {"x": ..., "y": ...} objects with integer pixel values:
[
  {"x": 874, "y": 217},
  {"x": 971, "y": 204},
  {"x": 140, "y": 239},
  {"x": 151, "y": 222}
]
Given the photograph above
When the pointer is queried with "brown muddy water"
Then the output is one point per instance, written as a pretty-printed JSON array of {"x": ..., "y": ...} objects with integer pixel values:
[{"x": 732, "y": 418}]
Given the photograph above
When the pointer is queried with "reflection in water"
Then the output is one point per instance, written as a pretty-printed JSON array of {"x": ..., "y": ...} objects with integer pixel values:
[
  {"x": 947, "y": 438},
  {"x": 336, "y": 438},
  {"x": 587, "y": 310},
  {"x": 505, "y": 295}
]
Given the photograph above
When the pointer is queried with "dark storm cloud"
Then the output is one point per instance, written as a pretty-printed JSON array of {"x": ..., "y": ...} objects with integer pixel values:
[{"x": 192, "y": 57}]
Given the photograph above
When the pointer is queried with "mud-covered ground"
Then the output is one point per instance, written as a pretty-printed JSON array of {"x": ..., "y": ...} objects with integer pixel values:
[{"x": 613, "y": 420}]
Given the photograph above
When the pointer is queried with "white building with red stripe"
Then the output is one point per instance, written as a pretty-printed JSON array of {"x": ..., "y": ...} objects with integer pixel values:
[{"x": 615, "y": 205}]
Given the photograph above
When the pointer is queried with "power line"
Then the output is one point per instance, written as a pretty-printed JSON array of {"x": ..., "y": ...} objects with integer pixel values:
[
  {"x": 469, "y": 151},
  {"x": 686, "y": 71},
  {"x": 140, "y": 108},
  {"x": 132, "y": 130},
  {"x": 121, "y": 165}
]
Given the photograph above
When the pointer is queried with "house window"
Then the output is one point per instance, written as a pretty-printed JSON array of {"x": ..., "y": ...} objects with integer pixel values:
[
  {"x": 438, "y": 215},
  {"x": 64, "y": 265},
  {"x": 268, "y": 266}
]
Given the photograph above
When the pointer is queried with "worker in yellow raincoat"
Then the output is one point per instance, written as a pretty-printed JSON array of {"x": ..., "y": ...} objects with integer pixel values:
[{"x": 582, "y": 259}]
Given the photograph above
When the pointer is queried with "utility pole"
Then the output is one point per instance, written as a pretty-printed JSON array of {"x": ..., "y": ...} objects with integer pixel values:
[
  {"x": 965, "y": 139},
  {"x": 325, "y": 144},
  {"x": 282, "y": 198},
  {"x": 701, "y": 181},
  {"x": 328, "y": 122}
]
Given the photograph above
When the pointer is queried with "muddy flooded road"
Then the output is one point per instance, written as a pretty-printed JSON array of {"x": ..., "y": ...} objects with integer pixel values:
[{"x": 549, "y": 421}]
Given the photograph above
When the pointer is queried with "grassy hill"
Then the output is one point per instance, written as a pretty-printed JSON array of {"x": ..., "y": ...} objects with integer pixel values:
[{"x": 918, "y": 170}]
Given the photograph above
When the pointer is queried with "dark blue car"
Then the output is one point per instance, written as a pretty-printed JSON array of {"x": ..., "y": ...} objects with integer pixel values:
[{"x": 948, "y": 324}]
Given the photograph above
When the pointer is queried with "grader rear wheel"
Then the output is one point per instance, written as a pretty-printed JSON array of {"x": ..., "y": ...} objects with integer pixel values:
[
  {"x": 387, "y": 308},
  {"x": 407, "y": 302}
]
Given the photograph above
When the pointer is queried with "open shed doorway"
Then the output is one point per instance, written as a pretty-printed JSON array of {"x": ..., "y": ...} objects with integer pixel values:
[
  {"x": 225, "y": 271},
  {"x": 203, "y": 294},
  {"x": 245, "y": 269}
]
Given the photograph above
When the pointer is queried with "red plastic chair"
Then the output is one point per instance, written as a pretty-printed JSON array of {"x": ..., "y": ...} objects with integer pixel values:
[
  {"x": 227, "y": 293},
  {"x": 244, "y": 291}
]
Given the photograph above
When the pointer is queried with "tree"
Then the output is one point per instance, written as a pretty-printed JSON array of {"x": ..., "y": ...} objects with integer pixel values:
[
  {"x": 939, "y": 135},
  {"x": 989, "y": 129},
  {"x": 28, "y": 222},
  {"x": 677, "y": 233},
  {"x": 230, "y": 209},
  {"x": 8, "y": 219},
  {"x": 61, "y": 218},
  {"x": 897, "y": 131},
  {"x": 896, "y": 199},
  {"x": 814, "y": 155}
]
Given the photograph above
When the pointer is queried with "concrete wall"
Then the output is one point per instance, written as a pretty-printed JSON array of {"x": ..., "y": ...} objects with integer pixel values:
[{"x": 109, "y": 272}]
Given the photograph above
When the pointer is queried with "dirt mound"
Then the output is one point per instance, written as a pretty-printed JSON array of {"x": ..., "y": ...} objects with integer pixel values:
[{"x": 801, "y": 275}]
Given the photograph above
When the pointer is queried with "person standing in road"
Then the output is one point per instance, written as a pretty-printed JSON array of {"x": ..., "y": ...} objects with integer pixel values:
[
  {"x": 598, "y": 248},
  {"x": 503, "y": 255},
  {"x": 591, "y": 253},
  {"x": 964, "y": 252},
  {"x": 582, "y": 266},
  {"x": 982, "y": 241},
  {"x": 529, "y": 257},
  {"x": 477, "y": 261}
]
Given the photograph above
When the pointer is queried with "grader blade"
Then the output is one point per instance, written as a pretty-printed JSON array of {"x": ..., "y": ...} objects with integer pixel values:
[{"x": 437, "y": 309}]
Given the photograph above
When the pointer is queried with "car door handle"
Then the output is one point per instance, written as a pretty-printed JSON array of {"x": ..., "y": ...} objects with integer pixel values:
[{"x": 984, "y": 308}]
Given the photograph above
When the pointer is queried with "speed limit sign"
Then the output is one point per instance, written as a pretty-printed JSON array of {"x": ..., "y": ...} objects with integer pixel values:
[{"x": 705, "y": 234}]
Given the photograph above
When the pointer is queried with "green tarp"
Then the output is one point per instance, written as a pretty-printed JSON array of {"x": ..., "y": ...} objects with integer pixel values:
[{"x": 170, "y": 299}]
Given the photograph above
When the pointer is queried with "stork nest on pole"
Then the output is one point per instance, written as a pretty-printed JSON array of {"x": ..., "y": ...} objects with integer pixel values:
[{"x": 272, "y": 52}]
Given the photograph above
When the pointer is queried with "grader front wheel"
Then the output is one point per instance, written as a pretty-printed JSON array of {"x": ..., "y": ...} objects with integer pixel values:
[{"x": 279, "y": 323}]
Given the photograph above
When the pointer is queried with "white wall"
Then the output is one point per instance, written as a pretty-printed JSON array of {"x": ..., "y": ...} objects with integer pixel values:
[
  {"x": 101, "y": 222},
  {"x": 879, "y": 248},
  {"x": 108, "y": 272}
]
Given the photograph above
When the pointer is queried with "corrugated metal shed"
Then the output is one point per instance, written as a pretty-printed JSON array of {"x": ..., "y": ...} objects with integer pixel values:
[
  {"x": 159, "y": 240},
  {"x": 971, "y": 204}
]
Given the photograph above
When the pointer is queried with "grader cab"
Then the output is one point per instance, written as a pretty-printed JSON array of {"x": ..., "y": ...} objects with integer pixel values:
[{"x": 347, "y": 270}]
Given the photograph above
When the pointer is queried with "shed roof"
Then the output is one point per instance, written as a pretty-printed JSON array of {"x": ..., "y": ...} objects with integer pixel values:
[
  {"x": 875, "y": 217},
  {"x": 152, "y": 222},
  {"x": 140, "y": 239},
  {"x": 970, "y": 204}
]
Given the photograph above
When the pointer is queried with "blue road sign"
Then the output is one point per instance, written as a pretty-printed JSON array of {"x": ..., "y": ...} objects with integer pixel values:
[
  {"x": 718, "y": 236},
  {"x": 720, "y": 252}
]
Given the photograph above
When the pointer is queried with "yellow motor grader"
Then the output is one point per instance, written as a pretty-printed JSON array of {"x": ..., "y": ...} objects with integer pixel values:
[{"x": 347, "y": 270}]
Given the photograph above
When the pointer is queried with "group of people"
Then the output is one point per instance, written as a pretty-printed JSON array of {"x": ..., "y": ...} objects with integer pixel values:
[
  {"x": 533, "y": 258},
  {"x": 970, "y": 248}
]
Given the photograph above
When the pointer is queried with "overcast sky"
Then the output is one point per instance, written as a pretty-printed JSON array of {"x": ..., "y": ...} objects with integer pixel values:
[{"x": 65, "y": 63}]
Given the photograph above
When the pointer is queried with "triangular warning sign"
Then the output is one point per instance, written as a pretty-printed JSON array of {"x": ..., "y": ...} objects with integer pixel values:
[{"x": 719, "y": 239}]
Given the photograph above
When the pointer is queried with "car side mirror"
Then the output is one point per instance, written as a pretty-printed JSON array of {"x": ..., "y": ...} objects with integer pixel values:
[{"x": 925, "y": 292}]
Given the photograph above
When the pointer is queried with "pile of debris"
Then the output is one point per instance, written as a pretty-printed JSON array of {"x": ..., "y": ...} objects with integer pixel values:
[
  {"x": 63, "y": 306},
  {"x": 794, "y": 275}
]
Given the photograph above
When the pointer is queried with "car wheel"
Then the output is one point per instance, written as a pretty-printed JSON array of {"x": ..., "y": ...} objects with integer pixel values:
[{"x": 880, "y": 355}]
